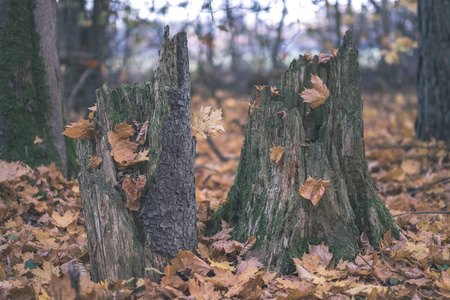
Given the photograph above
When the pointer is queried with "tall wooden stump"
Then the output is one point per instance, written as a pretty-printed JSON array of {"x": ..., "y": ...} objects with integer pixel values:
[
  {"x": 327, "y": 144},
  {"x": 122, "y": 242}
]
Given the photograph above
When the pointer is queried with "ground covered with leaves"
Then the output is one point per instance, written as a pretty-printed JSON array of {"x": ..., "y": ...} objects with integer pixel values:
[{"x": 43, "y": 243}]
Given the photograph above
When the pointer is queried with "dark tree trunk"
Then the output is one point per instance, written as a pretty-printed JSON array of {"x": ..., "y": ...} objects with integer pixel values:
[
  {"x": 25, "y": 104},
  {"x": 433, "y": 89},
  {"x": 265, "y": 201},
  {"x": 45, "y": 18},
  {"x": 121, "y": 242}
]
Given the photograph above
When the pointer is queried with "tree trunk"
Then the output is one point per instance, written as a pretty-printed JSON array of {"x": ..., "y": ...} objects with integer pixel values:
[
  {"x": 433, "y": 90},
  {"x": 45, "y": 18},
  {"x": 121, "y": 242},
  {"x": 265, "y": 201},
  {"x": 25, "y": 107}
]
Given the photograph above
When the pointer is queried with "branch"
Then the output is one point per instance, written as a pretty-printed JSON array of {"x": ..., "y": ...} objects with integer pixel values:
[
  {"x": 413, "y": 192},
  {"x": 422, "y": 213}
]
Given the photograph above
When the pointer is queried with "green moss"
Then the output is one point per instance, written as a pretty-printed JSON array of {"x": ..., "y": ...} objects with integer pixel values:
[
  {"x": 115, "y": 118},
  {"x": 385, "y": 220},
  {"x": 25, "y": 96}
]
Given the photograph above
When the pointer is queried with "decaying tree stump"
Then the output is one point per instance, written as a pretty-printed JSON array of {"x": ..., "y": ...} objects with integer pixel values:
[
  {"x": 327, "y": 144},
  {"x": 122, "y": 243}
]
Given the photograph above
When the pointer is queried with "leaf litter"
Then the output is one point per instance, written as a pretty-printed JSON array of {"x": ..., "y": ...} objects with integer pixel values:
[{"x": 43, "y": 238}]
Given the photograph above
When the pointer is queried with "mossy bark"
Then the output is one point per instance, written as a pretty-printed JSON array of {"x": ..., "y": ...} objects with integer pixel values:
[
  {"x": 121, "y": 242},
  {"x": 25, "y": 108},
  {"x": 265, "y": 201}
]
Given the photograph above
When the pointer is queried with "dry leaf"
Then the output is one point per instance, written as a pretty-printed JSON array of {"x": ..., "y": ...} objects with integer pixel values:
[
  {"x": 308, "y": 56},
  {"x": 95, "y": 162},
  {"x": 410, "y": 166},
  {"x": 13, "y": 170},
  {"x": 313, "y": 190},
  {"x": 206, "y": 121},
  {"x": 276, "y": 154},
  {"x": 80, "y": 130},
  {"x": 142, "y": 135},
  {"x": 133, "y": 192},
  {"x": 37, "y": 140},
  {"x": 64, "y": 220},
  {"x": 318, "y": 94},
  {"x": 273, "y": 91},
  {"x": 260, "y": 87},
  {"x": 334, "y": 51},
  {"x": 322, "y": 252}
]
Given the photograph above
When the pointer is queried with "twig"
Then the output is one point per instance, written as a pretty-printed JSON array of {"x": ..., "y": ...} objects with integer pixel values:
[
  {"x": 423, "y": 213},
  {"x": 79, "y": 84},
  {"x": 413, "y": 192},
  {"x": 217, "y": 151}
]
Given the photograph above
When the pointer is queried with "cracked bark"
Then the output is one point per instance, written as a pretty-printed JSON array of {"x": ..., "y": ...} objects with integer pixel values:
[
  {"x": 122, "y": 243},
  {"x": 264, "y": 200}
]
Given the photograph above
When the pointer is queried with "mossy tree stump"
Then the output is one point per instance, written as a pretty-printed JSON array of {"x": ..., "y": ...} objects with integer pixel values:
[
  {"x": 122, "y": 243},
  {"x": 265, "y": 201}
]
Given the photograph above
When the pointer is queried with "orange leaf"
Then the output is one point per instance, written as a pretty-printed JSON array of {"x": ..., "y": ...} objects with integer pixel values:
[
  {"x": 318, "y": 94},
  {"x": 335, "y": 51},
  {"x": 313, "y": 190},
  {"x": 80, "y": 130}
]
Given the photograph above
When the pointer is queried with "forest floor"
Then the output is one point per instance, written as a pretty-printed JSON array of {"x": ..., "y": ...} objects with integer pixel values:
[{"x": 43, "y": 239}]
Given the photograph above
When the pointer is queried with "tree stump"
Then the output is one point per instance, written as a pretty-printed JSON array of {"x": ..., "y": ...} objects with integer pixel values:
[
  {"x": 326, "y": 143},
  {"x": 122, "y": 243}
]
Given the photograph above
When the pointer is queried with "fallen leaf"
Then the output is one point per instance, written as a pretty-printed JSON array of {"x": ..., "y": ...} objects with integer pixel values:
[
  {"x": 64, "y": 220},
  {"x": 273, "y": 91},
  {"x": 324, "y": 58},
  {"x": 205, "y": 123},
  {"x": 308, "y": 56},
  {"x": 318, "y": 94},
  {"x": 133, "y": 192},
  {"x": 313, "y": 190},
  {"x": 410, "y": 166},
  {"x": 322, "y": 252},
  {"x": 13, "y": 170},
  {"x": 276, "y": 154}
]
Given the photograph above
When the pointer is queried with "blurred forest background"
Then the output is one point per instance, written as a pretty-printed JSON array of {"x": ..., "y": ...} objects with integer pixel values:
[{"x": 234, "y": 44}]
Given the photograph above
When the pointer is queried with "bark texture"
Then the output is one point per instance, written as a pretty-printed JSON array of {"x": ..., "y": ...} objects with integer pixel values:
[
  {"x": 433, "y": 89},
  {"x": 265, "y": 201},
  {"x": 45, "y": 18},
  {"x": 122, "y": 243},
  {"x": 25, "y": 108}
]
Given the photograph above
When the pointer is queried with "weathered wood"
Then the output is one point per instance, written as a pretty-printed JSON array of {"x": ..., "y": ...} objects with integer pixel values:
[
  {"x": 433, "y": 90},
  {"x": 122, "y": 243},
  {"x": 265, "y": 201}
]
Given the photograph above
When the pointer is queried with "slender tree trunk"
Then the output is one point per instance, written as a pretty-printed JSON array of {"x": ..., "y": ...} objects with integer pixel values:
[
  {"x": 121, "y": 242},
  {"x": 433, "y": 89},
  {"x": 25, "y": 106},
  {"x": 327, "y": 144},
  {"x": 45, "y": 18}
]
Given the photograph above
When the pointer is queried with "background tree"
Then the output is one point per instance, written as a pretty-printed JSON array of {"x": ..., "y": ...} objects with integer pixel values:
[
  {"x": 30, "y": 103},
  {"x": 433, "y": 89}
]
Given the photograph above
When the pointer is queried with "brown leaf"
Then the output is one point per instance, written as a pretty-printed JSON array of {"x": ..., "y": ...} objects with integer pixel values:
[
  {"x": 276, "y": 154},
  {"x": 334, "y": 51},
  {"x": 13, "y": 170},
  {"x": 142, "y": 135},
  {"x": 318, "y": 94},
  {"x": 95, "y": 162},
  {"x": 322, "y": 252},
  {"x": 410, "y": 166},
  {"x": 313, "y": 190},
  {"x": 80, "y": 130},
  {"x": 302, "y": 272},
  {"x": 64, "y": 220},
  {"x": 273, "y": 91},
  {"x": 133, "y": 192},
  {"x": 308, "y": 56},
  {"x": 60, "y": 288},
  {"x": 223, "y": 28}
]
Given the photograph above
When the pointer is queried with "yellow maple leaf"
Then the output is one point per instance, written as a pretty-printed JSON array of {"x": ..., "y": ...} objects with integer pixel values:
[
  {"x": 37, "y": 140},
  {"x": 206, "y": 121},
  {"x": 64, "y": 220},
  {"x": 223, "y": 265},
  {"x": 276, "y": 154},
  {"x": 318, "y": 94},
  {"x": 313, "y": 190}
]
